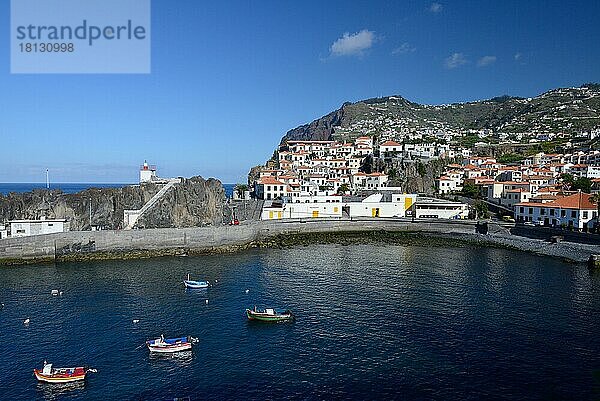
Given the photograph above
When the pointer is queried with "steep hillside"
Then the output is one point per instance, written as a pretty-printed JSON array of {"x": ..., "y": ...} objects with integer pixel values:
[{"x": 569, "y": 110}]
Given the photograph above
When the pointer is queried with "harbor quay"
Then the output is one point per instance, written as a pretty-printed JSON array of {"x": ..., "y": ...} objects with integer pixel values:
[{"x": 132, "y": 244}]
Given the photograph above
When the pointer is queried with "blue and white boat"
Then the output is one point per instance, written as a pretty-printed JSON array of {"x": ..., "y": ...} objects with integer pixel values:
[
  {"x": 195, "y": 284},
  {"x": 170, "y": 345}
]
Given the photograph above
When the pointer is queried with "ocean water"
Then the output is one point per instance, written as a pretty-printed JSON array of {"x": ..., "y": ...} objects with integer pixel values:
[
  {"x": 373, "y": 323},
  {"x": 68, "y": 188},
  {"x": 71, "y": 188}
]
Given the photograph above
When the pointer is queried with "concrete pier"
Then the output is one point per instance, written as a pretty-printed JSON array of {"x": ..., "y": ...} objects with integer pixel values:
[{"x": 127, "y": 244}]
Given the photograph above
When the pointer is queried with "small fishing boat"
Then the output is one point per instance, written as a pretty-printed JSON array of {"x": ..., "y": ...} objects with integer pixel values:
[
  {"x": 269, "y": 315},
  {"x": 49, "y": 374},
  {"x": 195, "y": 284},
  {"x": 170, "y": 345}
]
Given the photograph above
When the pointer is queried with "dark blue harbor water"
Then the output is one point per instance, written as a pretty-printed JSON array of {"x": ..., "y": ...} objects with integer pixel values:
[
  {"x": 373, "y": 322},
  {"x": 72, "y": 188}
]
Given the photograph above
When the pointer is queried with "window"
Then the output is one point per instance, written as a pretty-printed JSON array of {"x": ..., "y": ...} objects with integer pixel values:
[
  {"x": 563, "y": 213},
  {"x": 522, "y": 209},
  {"x": 573, "y": 213},
  {"x": 585, "y": 214},
  {"x": 530, "y": 210},
  {"x": 551, "y": 212},
  {"x": 542, "y": 211}
]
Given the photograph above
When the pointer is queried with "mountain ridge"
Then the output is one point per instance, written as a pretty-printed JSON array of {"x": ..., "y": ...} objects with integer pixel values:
[{"x": 557, "y": 110}]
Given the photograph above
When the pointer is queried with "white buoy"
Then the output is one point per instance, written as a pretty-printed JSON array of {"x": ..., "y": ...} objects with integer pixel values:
[
  {"x": 54, "y": 292},
  {"x": 60, "y": 293},
  {"x": 26, "y": 321},
  {"x": 216, "y": 281},
  {"x": 207, "y": 302},
  {"x": 247, "y": 291},
  {"x": 136, "y": 321}
]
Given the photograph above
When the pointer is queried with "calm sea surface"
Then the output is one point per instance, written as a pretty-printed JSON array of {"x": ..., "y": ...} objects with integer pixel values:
[
  {"x": 71, "y": 188},
  {"x": 373, "y": 322}
]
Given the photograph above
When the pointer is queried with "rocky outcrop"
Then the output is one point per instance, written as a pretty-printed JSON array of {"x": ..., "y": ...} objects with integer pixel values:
[
  {"x": 418, "y": 176},
  {"x": 194, "y": 202}
]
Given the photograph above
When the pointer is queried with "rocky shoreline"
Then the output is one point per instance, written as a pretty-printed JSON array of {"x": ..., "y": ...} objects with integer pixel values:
[{"x": 136, "y": 244}]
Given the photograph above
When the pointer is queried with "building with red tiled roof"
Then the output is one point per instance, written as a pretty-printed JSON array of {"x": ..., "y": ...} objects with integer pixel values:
[
  {"x": 269, "y": 187},
  {"x": 574, "y": 211},
  {"x": 389, "y": 146}
]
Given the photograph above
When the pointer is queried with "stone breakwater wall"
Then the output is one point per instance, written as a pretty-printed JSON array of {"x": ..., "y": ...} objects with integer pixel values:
[{"x": 89, "y": 245}]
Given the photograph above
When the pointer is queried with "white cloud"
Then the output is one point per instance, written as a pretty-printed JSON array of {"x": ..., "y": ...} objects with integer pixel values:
[
  {"x": 435, "y": 7},
  {"x": 404, "y": 48},
  {"x": 353, "y": 44},
  {"x": 518, "y": 56},
  {"x": 455, "y": 60},
  {"x": 485, "y": 61}
]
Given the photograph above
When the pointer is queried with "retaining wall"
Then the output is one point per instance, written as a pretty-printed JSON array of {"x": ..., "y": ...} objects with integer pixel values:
[{"x": 82, "y": 245}]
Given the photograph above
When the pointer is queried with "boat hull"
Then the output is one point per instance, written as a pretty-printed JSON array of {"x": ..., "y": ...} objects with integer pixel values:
[
  {"x": 263, "y": 317},
  {"x": 59, "y": 378},
  {"x": 194, "y": 285},
  {"x": 169, "y": 349},
  {"x": 170, "y": 345}
]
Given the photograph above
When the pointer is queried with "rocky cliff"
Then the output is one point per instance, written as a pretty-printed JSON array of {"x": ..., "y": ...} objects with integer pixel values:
[{"x": 194, "y": 202}]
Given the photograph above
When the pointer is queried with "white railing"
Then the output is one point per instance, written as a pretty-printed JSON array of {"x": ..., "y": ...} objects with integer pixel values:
[{"x": 132, "y": 216}]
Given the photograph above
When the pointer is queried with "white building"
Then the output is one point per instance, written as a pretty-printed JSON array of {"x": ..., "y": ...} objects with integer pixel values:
[
  {"x": 147, "y": 173},
  {"x": 376, "y": 205},
  {"x": 302, "y": 210},
  {"x": 514, "y": 196},
  {"x": 390, "y": 146},
  {"x": 3, "y": 231},
  {"x": 439, "y": 209},
  {"x": 447, "y": 184},
  {"x": 268, "y": 188},
  {"x": 26, "y": 228},
  {"x": 570, "y": 211},
  {"x": 369, "y": 182}
]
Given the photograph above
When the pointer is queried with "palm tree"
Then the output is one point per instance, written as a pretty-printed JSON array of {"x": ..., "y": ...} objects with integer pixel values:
[
  {"x": 596, "y": 199},
  {"x": 240, "y": 189}
]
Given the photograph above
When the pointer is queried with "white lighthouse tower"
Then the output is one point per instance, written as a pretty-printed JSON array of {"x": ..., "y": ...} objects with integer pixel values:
[{"x": 147, "y": 173}]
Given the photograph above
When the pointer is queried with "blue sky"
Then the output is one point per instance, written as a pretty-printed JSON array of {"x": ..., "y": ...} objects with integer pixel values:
[{"x": 230, "y": 78}]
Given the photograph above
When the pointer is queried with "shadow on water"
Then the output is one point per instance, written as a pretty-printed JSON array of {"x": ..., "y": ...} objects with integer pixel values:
[{"x": 56, "y": 391}]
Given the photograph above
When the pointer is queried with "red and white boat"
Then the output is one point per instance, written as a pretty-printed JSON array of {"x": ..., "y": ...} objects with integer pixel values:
[{"x": 49, "y": 374}]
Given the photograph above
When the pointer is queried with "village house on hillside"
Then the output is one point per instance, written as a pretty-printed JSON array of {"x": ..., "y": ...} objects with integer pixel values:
[
  {"x": 574, "y": 211},
  {"x": 309, "y": 179}
]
